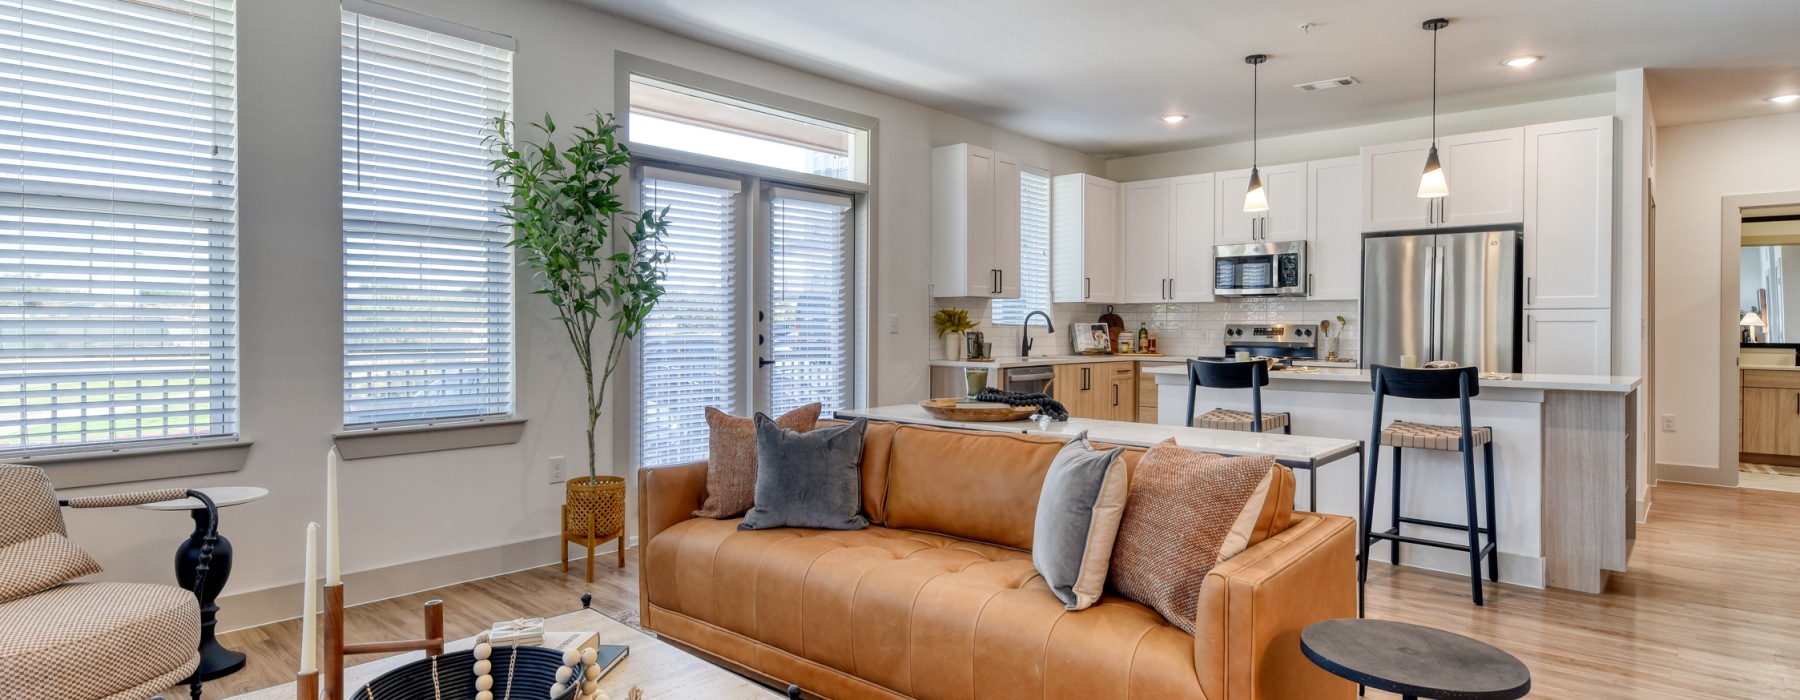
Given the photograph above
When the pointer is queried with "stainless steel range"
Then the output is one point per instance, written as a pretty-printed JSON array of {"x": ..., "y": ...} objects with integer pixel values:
[{"x": 1279, "y": 340}]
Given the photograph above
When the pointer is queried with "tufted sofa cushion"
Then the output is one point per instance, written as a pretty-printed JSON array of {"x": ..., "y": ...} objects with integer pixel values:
[{"x": 925, "y": 615}]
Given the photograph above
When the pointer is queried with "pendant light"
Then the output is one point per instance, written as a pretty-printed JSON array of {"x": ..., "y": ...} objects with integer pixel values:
[
  {"x": 1256, "y": 198},
  {"x": 1432, "y": 184}
]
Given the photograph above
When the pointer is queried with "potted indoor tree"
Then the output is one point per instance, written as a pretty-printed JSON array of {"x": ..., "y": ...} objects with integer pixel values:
[{"x": 566, "y": 207}]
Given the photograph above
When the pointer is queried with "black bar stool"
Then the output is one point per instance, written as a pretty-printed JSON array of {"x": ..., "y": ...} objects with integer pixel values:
[
  {"x": 1234, "y": 375},
  {"x": 1460, "y": 383}
]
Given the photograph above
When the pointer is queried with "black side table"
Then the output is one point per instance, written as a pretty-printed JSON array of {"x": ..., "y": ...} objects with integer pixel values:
[
  {"x": 215, "y": 660},
  {"x": 1414, "y": 661}
]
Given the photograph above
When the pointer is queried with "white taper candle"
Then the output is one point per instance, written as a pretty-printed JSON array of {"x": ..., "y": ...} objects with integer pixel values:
[
  {"x": 334, "y": 574},
  {"x": 309, "y": 620}
]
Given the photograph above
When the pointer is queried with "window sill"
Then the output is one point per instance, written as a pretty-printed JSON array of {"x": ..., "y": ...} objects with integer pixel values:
[
  {"x": 378, "y": 442},
  {"x": 144, "y": 464}
]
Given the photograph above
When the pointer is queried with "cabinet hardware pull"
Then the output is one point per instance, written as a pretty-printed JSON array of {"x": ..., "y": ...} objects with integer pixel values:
[
  {"x": 1085, "y": 384},
  {"x": 1115, "y": 394},
  {"x": 1087, "y": 287},
  {"x": 1528, "y": 328},
  {"x": 1430, "y": 211},
  {"x": 1309, "y": 284},
  {"x": 1001, "y": 287},
  {"x": 1528, "y": 297}
]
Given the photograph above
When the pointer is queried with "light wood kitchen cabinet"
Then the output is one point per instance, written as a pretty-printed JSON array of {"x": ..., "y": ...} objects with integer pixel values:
[
  {"x": 1166, "y": 228},
  {"x": 1568, "y": 341},
  {"x": 1569, "y": 214},
  {"x": 1769, "y": 406},
  {"x": 1334, "y": 225},
  {"x": 1098, "y": 390},
  {"x": 1147, "y": 399},
  {"x": 974, "y": 223},
  {"x": 1284, "y": 221},
  {"x": 1084, "y": 239},
  {"x": 1485, "y": 172}
]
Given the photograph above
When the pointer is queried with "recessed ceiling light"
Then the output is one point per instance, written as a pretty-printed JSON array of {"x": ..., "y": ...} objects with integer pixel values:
[
  {"x": 1520, "y": 61},
  {"x": 1174, "y": 118},
  {"x": 1784, "y": 99}
]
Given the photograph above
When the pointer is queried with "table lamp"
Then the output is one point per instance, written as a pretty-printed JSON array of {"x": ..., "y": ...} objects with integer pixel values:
[{"x": 1752, "y": 322}]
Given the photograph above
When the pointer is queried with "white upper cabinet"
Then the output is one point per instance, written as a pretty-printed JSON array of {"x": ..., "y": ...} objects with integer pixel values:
[
  {"x": 1144, "y": 229},
  {"x": 1569, "y": 214},
  {"x": 1568, "y": 341},
  {"x": 1485, "y": 172},
  {"x": 1084, "y": 239},
  {"x": 1333, "y": 189},
  {"x": 1191, "y": 236},
  {"x": 974, "y": 222},
  {"x": 1284, "y": 221},
  {"x": 1167, "y": 234}
]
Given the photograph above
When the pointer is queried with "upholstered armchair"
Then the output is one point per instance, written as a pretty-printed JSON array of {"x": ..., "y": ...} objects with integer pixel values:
[{"x": 111, "y": 641}]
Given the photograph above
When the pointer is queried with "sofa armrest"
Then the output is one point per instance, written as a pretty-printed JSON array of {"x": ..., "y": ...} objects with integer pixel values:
[
  {"x": 1253, "y": 607},
  {"x": 668, "y": 495}
]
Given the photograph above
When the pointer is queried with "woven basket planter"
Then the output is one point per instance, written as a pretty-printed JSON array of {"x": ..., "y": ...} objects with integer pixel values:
[{"x": 593, "y": 513}]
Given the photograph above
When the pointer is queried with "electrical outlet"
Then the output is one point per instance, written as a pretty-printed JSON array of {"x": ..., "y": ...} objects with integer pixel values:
[
  {"x": 893, "y": 324},
  {"x": 559, "y": 469},
  {"x": 1668, "y": 422}
]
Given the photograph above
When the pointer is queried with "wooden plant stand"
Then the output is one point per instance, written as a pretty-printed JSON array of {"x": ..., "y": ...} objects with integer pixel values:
[{"x": 593, "y": 514}]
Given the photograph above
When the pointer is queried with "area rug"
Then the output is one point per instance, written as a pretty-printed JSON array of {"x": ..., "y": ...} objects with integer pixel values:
[{"x": 1755, "y": 468}]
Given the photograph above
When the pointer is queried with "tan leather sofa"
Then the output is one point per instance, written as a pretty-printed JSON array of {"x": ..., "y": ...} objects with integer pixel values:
[{"x": 938, "y": 599}]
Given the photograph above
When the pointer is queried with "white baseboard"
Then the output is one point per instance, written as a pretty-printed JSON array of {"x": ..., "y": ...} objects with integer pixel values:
[
  {"x": 1517, "y": 569},
  {"x": 1643, "y": 503},
  {"x": 260, "y": 607},
  {"x": 1688, "y": 474}
]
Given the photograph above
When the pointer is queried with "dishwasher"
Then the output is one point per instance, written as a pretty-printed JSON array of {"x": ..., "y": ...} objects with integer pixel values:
[{"x": 1035, "y": 379}]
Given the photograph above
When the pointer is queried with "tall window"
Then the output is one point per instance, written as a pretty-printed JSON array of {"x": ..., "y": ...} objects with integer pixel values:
[
  {"x": 118, "y": 247},
  {"x": 1034, "y": 251},
  {"x": 428, "y": 308},
  {"x": 809, "y": 299},
  {"x": 691, "y": 352}
]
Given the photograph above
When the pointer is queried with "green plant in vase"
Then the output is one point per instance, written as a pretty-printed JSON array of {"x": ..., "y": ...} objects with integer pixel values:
[
  {"x": 567, "y": 205},
  {"x": 951, "y": 323}
]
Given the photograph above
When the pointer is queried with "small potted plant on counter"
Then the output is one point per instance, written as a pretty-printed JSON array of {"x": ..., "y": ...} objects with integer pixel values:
[{"x": 950, "y": 324}]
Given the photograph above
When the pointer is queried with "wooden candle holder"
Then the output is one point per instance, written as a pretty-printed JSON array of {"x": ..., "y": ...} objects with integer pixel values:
[{"x": 331, "y": 665}]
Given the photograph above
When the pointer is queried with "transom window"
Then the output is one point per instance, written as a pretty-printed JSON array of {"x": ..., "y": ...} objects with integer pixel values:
[{"x": 664, "y": 115}]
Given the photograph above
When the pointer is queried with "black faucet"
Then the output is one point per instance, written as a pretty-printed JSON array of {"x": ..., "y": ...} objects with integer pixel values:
[{"x": 1025, "y": 332}]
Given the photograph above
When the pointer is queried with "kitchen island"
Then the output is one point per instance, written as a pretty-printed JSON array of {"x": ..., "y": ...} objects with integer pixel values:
[{"x": 1564, "y": 452}]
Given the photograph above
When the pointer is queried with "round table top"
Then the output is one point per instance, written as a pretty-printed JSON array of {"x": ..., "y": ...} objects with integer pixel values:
[
  {"x": 1414, "y": 660},
  {"x": 221, "y": 495}
]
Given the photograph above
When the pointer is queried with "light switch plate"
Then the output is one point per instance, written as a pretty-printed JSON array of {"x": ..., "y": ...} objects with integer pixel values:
[
  {"x": 893, "y": 324},
  {"x": 1668, "y": 422}
]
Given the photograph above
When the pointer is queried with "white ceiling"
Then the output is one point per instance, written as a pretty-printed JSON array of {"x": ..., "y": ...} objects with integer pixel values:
[{"x": 1095, "y": 75}]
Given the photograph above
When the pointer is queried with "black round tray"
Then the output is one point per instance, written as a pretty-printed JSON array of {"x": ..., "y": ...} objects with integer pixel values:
[{"x": 535, "y": 669}]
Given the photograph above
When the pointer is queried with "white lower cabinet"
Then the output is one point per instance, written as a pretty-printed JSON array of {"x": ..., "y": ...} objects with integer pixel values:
[{"x": 1568, "y": 341}]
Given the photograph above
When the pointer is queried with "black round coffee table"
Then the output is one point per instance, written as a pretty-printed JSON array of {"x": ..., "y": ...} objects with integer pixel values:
[{"x": 1414, "y": 661}]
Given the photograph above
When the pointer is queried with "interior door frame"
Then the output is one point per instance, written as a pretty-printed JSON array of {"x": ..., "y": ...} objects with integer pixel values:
[{"x": 1731, "y": 240}]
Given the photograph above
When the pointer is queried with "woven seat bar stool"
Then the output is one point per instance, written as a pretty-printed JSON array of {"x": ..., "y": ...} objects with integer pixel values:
[
  {"x": 1253, "y": 376},
  {"x": 1461, "y": 384}
]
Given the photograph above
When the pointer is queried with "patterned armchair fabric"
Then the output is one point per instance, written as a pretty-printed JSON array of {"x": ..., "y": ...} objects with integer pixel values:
[{"x": 149, "y": 633}]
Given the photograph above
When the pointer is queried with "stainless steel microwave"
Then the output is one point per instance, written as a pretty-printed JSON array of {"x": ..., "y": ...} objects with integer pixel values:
[{"x": 1260, "y": 269}]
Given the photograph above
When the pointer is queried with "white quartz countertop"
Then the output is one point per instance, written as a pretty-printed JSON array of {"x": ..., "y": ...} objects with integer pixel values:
[
  {"x": 1034, "y": 361},
  {"x": 1553, "y": 382},
  {"x": 1286, "y": 448}
]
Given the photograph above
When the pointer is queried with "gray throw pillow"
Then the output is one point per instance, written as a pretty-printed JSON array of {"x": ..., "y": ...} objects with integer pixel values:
[
  {"x": 811, "y": 479},
  {"x": 1077, "y": 520}
]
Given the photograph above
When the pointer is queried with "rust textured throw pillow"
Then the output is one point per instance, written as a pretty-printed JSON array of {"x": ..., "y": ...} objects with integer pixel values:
[
  {"x": 41, "y": 563},
  {"x": 1182, "y": 517},
  {"x": 731, "y": 458}
]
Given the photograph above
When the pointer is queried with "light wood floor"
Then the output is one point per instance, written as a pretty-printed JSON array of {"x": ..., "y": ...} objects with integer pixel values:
[{"x": 1710, "y": 609}]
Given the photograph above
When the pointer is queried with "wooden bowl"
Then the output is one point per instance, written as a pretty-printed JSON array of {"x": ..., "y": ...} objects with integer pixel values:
[{"x": 945, "y": 409}]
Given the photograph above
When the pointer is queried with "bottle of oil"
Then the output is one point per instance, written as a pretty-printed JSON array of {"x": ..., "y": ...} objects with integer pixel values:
[{"x": 1143, "y": 337}]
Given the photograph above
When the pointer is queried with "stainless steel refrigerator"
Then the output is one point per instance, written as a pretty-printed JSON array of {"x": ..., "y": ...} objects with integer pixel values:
[{"x": 1442, "y": 296}]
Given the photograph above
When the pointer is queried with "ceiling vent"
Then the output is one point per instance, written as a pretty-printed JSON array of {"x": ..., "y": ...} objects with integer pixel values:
[{"x": 1345, "y": 81}]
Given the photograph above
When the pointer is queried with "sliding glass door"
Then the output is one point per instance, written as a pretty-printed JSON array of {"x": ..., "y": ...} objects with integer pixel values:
[{"x": 759, "y": 309}]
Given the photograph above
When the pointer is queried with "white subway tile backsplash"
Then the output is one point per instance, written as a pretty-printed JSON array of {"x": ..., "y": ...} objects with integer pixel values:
[{"x": 1182, "y": 330}]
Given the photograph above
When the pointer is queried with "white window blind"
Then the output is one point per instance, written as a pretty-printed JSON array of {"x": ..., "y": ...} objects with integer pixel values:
[
  {"x": 690, "y": 348},
  {"x": 810, "y": 296},
  {"x": 117, "y": 241},
  {"x": 1034, "y": 251},
  {"x": 427, "y": 271}
]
